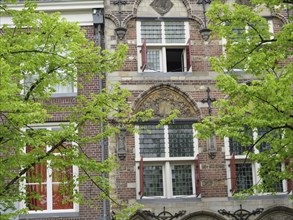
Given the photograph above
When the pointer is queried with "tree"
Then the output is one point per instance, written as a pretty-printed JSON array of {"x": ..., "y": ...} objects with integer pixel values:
[
  {"x": 38, "y": 52},
  {"x": 260, "y": 98}
]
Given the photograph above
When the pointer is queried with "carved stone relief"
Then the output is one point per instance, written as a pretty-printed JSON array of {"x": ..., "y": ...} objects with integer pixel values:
[
  {"x": 278, "y": 216},
  {"x": 164, "y": 100},
  {"x": 162, "y": 6},
  {"x": 277, "y": 213}
]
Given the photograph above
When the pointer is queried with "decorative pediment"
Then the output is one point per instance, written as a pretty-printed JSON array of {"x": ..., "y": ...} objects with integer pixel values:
[{"x": 163, "y": 100}]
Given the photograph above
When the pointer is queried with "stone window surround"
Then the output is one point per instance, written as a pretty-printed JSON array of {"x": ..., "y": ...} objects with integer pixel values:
[
  {"x": 255, "y": 166},
  {"x": 166, "y": 163},
  {"x": 161, "y": 47}
]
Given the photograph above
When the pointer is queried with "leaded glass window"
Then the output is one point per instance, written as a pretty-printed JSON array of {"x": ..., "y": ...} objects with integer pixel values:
[
  {"x": 250, "y": 173},
  {"x": 152, "y": 31},
  {"x": 153, "y": 181},
  {"x": 159, "y": 31},
  {"x": 166, "y": 157},
  {"x": 236, "y": 148},
  {"x": 174, "y": 32},
  {"x": 182, "y": 180},
  {"x": 276, "y": 186},
  {"x": 181, "y": 141},
  {"x": 151, "y": 141},
  {"x": 153, "y": 58},
  {"x": 244, "y": 178}
]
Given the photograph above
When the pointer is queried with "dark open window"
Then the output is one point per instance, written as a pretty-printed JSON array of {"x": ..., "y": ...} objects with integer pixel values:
[{"x": 175, "y": 60}]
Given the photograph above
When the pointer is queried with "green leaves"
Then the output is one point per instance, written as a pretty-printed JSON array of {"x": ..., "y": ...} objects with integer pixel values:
[
  {"x": 38, "y": 52},
  {"x": 259, "y": 94}
]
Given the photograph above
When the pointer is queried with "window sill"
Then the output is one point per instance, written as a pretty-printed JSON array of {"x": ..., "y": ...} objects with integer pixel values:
[
  {"x": 49, "y": 215},
  {"x": 269, "y": 196},
  {"x": 60, "y": 95},
  {"x": 146, "y": 200},
  {"x": 164, "y": 73}
]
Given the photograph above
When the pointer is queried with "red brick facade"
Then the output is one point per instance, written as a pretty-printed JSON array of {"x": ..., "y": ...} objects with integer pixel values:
[{"x": 215, "y": 192}]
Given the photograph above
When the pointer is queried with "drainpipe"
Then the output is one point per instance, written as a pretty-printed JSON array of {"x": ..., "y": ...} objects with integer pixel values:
[{"x": 98, "y": 20}]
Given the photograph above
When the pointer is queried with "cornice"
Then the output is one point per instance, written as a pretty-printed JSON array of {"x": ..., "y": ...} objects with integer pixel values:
[
  {"x": 74, "y": 11},
  {"x": 64, "y": 5}
]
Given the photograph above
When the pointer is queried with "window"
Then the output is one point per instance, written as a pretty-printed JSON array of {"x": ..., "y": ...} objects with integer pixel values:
[
  {"x": 241, "y": 171},
  {"x": 46, "y": 185},
  {"x": 166, "y": 161},
  {"x": 68, "y": 88},
  {"x": 164, "y": 46},
  {"x": 60, "y": 89}
]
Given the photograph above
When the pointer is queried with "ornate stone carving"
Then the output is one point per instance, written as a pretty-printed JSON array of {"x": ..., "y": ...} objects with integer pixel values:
[
  {"x": 164, "y": 100},
  {"x": 162, "y": 6},
  {"x": 279, "y": 216},
  {"x": 277, "y": 213}
]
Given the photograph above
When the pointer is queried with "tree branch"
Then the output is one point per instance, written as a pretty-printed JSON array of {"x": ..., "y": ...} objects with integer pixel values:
[
  {"x": 250, "y": 150},
  {"x": 35, "y": 84},
  {"x": 253, "y": 49},
  {"x": 263, "y": 100},
  {"x": 29, "y": 166},
  {"x": 100, "y": 188}
]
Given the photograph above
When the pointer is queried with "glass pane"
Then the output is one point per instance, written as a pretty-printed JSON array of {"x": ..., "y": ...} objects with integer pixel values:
[
  {"x": 153, "y": 60},
  {"x": 36, "y": 196},
  {"x": 236, "y": 148},
  {"x": 278, "y": 187},
  {"x": 174, "y": 32},
  {"x": 61, "y": 197},
  {"x": 270, "y": 137},
  {"x": 238, "y": 32},
  {"x": 37, "y": 174},
  {"x": 182, "y": 180},
  {"x": 66, "y": 84},
  {"x": 151, "y": 31},
  {"x": 272, "y": 181},
  {"x": 153, "y": 181},
  {"x": 181, "y": 141},
  {"x": 244, "y": 176},
  {"x": 59, "y": 175},
  {"x": 151, "y": 141},
  {"x": 64, "y": 88}
]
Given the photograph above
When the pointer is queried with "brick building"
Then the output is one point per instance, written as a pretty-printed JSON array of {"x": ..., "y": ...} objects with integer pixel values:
[
  {"x": 167, "y": 68},
  {"x": 165, "y": 168}
]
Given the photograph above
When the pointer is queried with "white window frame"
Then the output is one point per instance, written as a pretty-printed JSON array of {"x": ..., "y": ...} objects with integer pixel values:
[
  {"x": 50, "y": 126},
  {"x": 162, "y": 47},
  {"x": 57, "y": 93},
  {"x": 255, "y": 167},
  {"x": 60, "y": 88},
  {"x": 166, "y": 162}
]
